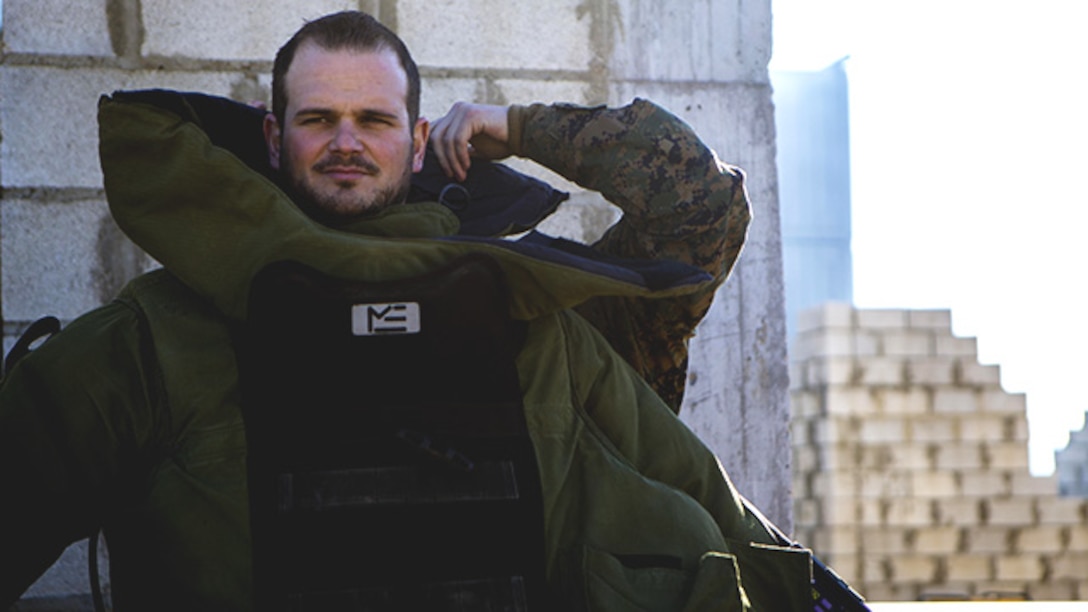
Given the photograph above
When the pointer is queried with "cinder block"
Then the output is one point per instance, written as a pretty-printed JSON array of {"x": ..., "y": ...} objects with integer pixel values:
[
  {"x": 806, "y": 512},
  {"x": 838, "y": 457},
  {"x": 908, "y": 343},
  {"x": 39, "y": 151},
  {"x": 573, "y": 90},
  {"x": 1061, "y": 511},
  {"x": 969, "y": 568},
  {"x": 583, "y": 218},
  {"x": 931, "y": 371},
  {"x": 997, "y": 589},
  {"x": 881, "y": 319},
  {"x": 958, "y": 511},
  {"x": 982, "y": 428},
  {"x": 933, "y": 429},
  {"x": 805, "y": 459},
  {"x": 951, "y": 346},
  {"x": 958, "y": 456},
  {"x": 884, "y": 541},
  {"x": 955, "y": 401},
  {"x": 934, "y": 484},
  {"x": 945, "y": 591},
  {"x": 872, "y": 512},
  {"x": 990, "y": 540},
  {"x": 875, "y": 457},
  {"x": 799, "y": 485},
  {"x": 839, "y": 482},
  {"x": 1070, "y": 566},
  {"x": 515, "y": 41},
  {"x": 828, "y": 343},
  {"x": 1006, "y": 455},
  {"x": 1016, "y": 428},
  {"x": 833, "y": 430},
  {"x": 975, "y": 374},
  {"x": 799, "y": 431},
  {"x": 804, "y": 405},
  {"x": 846, "y": 565},
  {"x": 1078, "y": 539},
  {"x": 882, "y": 430},
  {"x": 57, "y": 27},
  {"x": 836, "y": 540},
  {"x": 1024, "y": 484},
  {"x": 943, "y": 540},
  {"x": 866, "y": 343},
  {"x": 886, "y": 484},
  {"x": 850, "y": 401},
  {"x": 797, "y": 375},
  {"x": 229, "y": 30},
  {"x": 909, "y": 401},
  {"x": 1064, "y": 590},
  {"x": 908, "y": 512},
  {"x": 998, "y": 401},
  {"x": 646, "y": 28},
  {"x": 839, "y": 510},
  {"x": 911, "y": 457},
  {"x": 913, "y": 568},
  {"x": 1011, "y": 512},
  {"x": 829, "y": 315},
  {"x": 1042, "y": 539},
  {"x": 1024, "y": 567},
  {"x": 936, "y": 319},
  {"x": 881, "y": 371},
  {"x": 830, "y": 371},
  {"x": 53, "y": 260},
  {"x": 984, "y": 483}
]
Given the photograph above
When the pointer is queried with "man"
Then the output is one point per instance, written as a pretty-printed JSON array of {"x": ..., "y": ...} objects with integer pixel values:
[{"x": 130, "y": 420}]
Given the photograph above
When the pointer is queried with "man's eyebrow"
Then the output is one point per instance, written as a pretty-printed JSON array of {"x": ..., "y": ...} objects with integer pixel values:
[
  {"x": 316, "y": 110},
  {"x": 374, "y": 113}
]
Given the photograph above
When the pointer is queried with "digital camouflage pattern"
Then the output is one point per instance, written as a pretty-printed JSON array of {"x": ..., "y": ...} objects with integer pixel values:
[{"x": 679, "y": 202}]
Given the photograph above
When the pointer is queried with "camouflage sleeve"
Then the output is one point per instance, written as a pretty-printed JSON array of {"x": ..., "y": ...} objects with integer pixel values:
[{"x": 679, "y": 202}]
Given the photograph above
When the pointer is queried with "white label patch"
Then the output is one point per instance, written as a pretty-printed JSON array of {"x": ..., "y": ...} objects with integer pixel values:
[{"x": 385, "y": 319}]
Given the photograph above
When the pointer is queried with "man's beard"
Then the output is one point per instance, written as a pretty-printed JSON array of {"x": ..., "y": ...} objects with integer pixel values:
[{"x": 332, "y": 209}]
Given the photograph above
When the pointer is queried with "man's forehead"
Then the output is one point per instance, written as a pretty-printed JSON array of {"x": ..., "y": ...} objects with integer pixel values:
[
  {"x": 318, "y": 75},
  {"x": 311, "y": 58}
]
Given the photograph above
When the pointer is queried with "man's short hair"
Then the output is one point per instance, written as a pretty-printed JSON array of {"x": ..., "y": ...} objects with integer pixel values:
[{"x": 347, "y": 30}]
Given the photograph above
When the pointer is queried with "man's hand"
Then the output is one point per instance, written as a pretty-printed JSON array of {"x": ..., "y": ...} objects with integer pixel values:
[{"x": 469, "y": 130}]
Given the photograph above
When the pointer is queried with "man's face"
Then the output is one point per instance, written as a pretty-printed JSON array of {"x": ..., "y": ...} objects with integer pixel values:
[{"x": 346, "y": 147}]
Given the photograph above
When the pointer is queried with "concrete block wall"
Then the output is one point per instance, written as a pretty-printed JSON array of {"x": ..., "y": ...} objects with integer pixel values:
[
  {"x": 61, "y": 254},
  {"x": 911, "y": 473}
]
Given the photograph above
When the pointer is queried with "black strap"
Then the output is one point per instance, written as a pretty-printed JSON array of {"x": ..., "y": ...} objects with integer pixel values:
[{"x": 43, "y": 328}]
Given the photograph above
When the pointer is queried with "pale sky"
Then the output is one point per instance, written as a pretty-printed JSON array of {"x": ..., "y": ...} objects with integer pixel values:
[{"x": 969, "y": 142}]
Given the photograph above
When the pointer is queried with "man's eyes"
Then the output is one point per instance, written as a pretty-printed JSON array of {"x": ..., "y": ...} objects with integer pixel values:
[{"x": 364, "y": 120}]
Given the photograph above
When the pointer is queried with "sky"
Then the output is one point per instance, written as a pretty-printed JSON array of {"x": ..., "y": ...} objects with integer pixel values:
[{"x": 969, "y": 143}]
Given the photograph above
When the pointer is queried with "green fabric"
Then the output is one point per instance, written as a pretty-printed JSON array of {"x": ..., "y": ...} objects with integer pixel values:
[
  {"x": 167, "y": 185},
  {"x": 130, "y": 418}
]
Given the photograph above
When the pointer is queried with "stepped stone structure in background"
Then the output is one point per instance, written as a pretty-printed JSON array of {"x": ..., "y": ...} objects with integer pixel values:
[
  {"x": 911, "y": 465},
  {"x": 1071, "y": 464}
]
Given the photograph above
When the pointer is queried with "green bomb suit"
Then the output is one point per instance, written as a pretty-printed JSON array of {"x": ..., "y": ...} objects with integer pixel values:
[{"x": 129, "y": 420}]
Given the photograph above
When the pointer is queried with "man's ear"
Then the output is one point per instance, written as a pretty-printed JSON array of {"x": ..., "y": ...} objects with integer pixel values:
[
  {"x": 272, "y": 140},
  {"x": 420, "y": 133}
]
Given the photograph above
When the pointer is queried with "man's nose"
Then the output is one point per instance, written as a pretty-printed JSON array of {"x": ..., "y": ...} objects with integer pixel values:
[{"x": 346, "y": 138}]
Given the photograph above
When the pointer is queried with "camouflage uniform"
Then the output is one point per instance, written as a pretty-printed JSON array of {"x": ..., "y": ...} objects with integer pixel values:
[{"x": 685, "y": 206}]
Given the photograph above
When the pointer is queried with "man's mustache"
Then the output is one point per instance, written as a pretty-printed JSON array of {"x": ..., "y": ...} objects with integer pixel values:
[{"x": 351, "y": 161}]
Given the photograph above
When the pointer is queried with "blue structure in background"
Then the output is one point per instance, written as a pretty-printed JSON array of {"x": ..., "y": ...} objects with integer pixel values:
[{"x": 813, "y": 139}]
